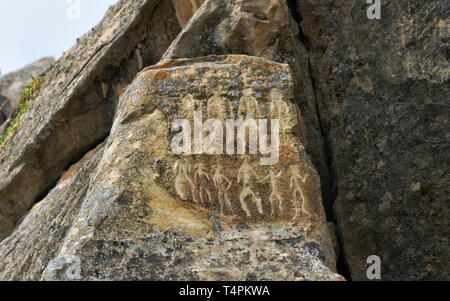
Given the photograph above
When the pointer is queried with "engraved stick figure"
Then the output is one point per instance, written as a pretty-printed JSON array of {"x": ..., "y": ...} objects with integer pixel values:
[
  {"x": 183, "y": 183},
  {"x": 245, "y": 173},
  {"x": 190, "y": 105},
  {"x": 248, "y": 106},
  {"x": 275, "y": 195},
  {"x": 219, "y": 108},
  {"x": 223, "y": 185},
  {"x": 295, "y": 185},
  {"x": 201, "y": 179},
  {"x": 279, "y": 109}
]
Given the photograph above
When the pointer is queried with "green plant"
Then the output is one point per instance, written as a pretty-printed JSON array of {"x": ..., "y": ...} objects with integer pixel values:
[
  {"x": 30, "y": 93},
  {"x": 32, "y": 89},
  {"x": 13, "y": 124}
]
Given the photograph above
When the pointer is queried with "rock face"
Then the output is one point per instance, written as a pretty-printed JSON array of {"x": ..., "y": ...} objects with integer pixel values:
[
  {"x": 185, "y": 9},
  {"x": 40, "y": 234},
  {"x": 101, "y": 182},
  {"x": 383, "y": 93},
  {"x": 11, "y": 85},
  {"x": 147, "y": 213},
  {"x": 75, "y": 109}
]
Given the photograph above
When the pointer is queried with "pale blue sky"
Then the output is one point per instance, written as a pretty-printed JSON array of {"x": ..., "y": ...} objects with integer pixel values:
[{"x": 33, "y": 29}]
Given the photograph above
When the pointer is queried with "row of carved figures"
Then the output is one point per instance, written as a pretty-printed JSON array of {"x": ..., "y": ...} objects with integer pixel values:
[
  {"x": 221, "y": 108},
  {"x": 193, "y": 184}
]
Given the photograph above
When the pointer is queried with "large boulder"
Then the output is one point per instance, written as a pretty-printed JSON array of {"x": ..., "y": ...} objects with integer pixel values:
[
  {"x": 75, "y": 108},
  {"x": 383, "y": 96},
  {"x": 136, "y": 208},
  {"x": 202, "y": 212}
]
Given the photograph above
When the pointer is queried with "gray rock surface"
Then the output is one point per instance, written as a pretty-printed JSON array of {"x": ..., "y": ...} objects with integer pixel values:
[
  {"x": 383, "y": 93},
  {"x": 75, "y": 108},
  {"x": 40, "y": 234}
]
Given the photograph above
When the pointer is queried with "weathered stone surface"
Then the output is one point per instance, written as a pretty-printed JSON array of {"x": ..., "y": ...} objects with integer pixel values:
[
  {"x": 185, "y": 9},
  {"x": 383, "y": 92},
  {"x": 374, "y": 98},
  {"x": 75, "y": 109},
  {"x": 147, "y": 215},
  {"x": 263, "y": 28},
  {"x": 40, "y": 235},
  {"x": 11, "y": 85}
]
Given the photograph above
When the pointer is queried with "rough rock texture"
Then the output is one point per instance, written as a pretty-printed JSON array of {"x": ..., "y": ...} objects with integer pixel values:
[
  {"x": 150, "y": 214},
  {"x": 3, "y": 114},
  {"x": 75, "y": 109},
  {"x": 11, "y": 85},
  {"x": 263, "y": 28},
  {"x": 185, "y": 9},
  {"x": 41, "y": 233},
  {"x": 383, "y": 92},
  {"x": 373, "y": 95},
  {"x": 133, "y": 210}
]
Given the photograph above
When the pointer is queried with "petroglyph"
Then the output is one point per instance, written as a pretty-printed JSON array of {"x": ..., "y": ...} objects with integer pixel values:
[
  {"x": 183, "y": 183},
  {"x": 201, "y": 179},
  {"x": 223, "y": 186},
  {"x": 248, "y": 106},
  {"x": 245, "y": 175},
  {"x": 219, "y": 108},
  {"x": 296, "y": 184},
  {"x": 275, "y": 195},
  {"x": 280, "y": 109},
  {"x": 242, "y": 156},
  {"x": 217, "y": 187}
]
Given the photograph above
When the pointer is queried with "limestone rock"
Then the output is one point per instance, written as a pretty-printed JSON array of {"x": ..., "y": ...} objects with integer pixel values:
[
  {"x": 151, "y": 214},
  {"x": 383, "y": 94},
  {"x": 263, "y": 28},
  {"x": 75, "y": 109},
  {"x": 11, "y": 85},
  {"x": 185, "y": 9}
]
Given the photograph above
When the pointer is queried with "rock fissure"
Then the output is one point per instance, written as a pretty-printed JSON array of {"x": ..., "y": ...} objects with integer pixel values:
[{"x": 329, "y": 192}]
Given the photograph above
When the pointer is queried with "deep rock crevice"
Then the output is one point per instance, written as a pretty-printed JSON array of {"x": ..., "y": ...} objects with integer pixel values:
[{"x": 329, "y": 192}]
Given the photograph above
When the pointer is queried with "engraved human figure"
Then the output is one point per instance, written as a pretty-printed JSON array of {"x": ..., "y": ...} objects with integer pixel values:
[
  {"x": 279, "y": 109},
  {"x": 190, "y": 106},
  {"x": 201, "y": 179},
  {"x": 297, "y": 181},
  {"x": 275, "y": 195},
  {"x": 219, "y": 108},
  {"x": 248, "y": 106},
  {"x": 183, "y": 183},
  {"x": 223, "y": 185},
  {"x": 245, "y": 175}
]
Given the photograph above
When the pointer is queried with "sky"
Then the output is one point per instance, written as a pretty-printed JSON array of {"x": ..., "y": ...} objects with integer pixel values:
[{"x": 33, "y": 29}]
